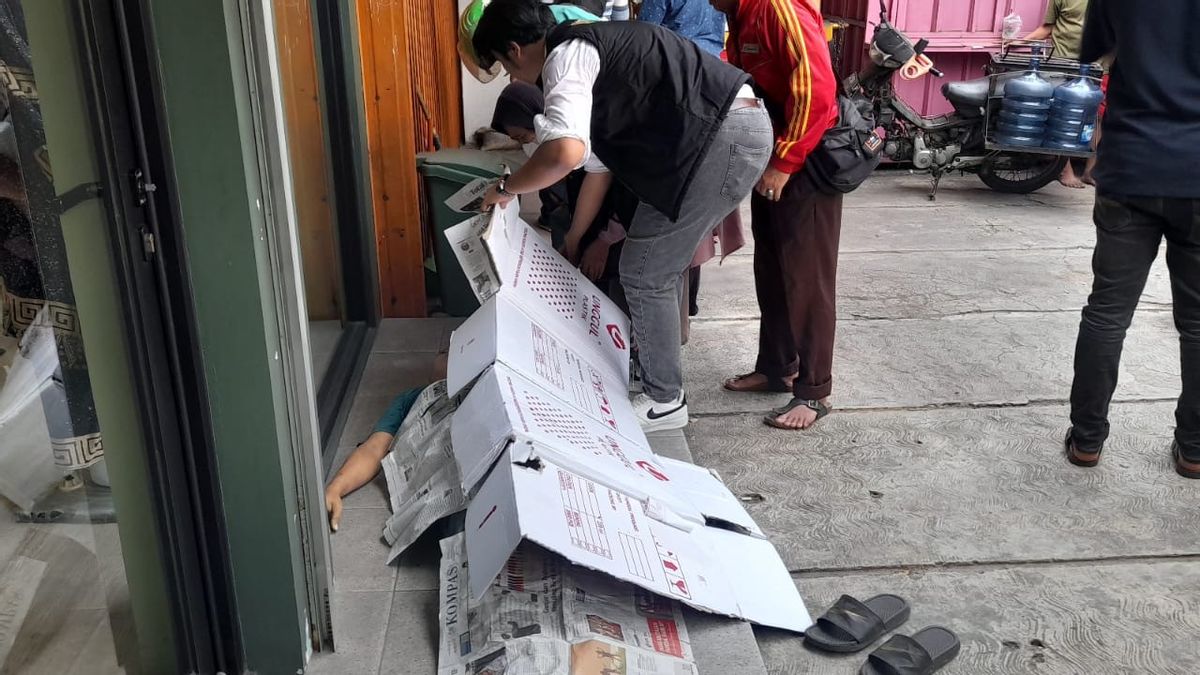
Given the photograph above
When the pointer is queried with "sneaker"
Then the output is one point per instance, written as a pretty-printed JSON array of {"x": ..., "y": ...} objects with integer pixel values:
[{"x": 654, "y": 416}]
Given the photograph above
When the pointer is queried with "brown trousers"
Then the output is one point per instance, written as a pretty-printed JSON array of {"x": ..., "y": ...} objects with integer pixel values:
[{"x": 795, "y": 276}]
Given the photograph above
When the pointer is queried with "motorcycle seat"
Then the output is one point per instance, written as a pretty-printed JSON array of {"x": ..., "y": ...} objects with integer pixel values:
[{"x": 972, "y": 93}]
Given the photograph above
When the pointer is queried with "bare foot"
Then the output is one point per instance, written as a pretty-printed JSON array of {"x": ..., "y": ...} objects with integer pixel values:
[
  {"x": 799, "y": 418},
  {"x": 1088, "y": 179},
  {"x": 755, "y": 382},
  {"x": 1069, "y": 179}
]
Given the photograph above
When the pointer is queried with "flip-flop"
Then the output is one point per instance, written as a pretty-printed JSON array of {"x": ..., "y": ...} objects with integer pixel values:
[
  {"x": 851, "y": 626},
  {"x": 816, "y": 406},
  {"x": 925, "y": 652},
  {"x": 772, "y": 384}
]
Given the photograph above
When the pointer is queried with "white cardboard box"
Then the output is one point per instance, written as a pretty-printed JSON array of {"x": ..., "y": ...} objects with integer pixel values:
[
  {"x": 500, "y": 253},
  {"x": 711, "y": 568},
  {"x": 541, "y": 471},
  {"x": 574, "y": 370},
  {"x": 548, "y": 450}
]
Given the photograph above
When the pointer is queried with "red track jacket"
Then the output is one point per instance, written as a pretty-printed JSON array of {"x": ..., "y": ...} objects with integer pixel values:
[{"x": 781, "y": 44}]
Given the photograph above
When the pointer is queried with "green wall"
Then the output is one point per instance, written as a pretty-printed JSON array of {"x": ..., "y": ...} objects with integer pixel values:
[
  {"x": 58, "y": 72},
  {"x": 211, "y": 135}
]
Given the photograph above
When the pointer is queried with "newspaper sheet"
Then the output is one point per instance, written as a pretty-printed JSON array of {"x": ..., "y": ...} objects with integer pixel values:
[
  {"x": 467, "y": 238},
  {"x": 544, "y": 616},
  {"x": 470, "y": 198},
  {"x": 423, "y": 481}
]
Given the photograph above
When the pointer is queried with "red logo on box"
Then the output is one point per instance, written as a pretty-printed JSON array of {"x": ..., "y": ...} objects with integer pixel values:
[
  {"x": 614, "y": 332},
  {"x": 649, "y": 468}
]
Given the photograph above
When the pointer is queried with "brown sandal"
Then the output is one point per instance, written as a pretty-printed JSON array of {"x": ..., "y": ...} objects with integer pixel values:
[
  {"x": 771, "y": 385},
  {"x": 818, "y": 407}
]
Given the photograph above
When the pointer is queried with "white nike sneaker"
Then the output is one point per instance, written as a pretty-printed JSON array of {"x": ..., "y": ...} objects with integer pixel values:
[{"x": 654, "y": 416}]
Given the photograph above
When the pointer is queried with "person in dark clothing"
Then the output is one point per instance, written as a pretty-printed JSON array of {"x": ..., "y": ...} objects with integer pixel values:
[
  {"x": 678, "y": 127},
  {"x": 1146, "y": 190}
]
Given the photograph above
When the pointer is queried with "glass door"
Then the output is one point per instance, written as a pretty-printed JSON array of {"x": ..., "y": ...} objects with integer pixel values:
[
  {"x": 333, "y": 233},
  {"x": 103, "y": 566}
]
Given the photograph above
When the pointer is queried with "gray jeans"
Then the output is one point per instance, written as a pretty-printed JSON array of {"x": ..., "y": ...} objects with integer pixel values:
[{"x": 658, "y": 251}]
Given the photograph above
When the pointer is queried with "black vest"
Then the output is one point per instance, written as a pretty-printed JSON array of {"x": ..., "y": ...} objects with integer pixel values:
[{"x": 657, "y": 104}]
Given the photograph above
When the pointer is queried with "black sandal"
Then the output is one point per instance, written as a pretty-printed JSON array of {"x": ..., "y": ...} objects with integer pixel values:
[
  {"x": 816, "y": 406},
  {"x": 851, "y": 626},
  {"x": 925, "y": 652}
]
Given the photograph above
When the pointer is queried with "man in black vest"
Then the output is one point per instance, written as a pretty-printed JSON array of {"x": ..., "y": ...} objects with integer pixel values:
[{"x": 680, "y": 128}]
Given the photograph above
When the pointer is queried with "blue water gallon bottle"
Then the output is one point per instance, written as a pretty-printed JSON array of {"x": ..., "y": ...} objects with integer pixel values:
[
  {"x": 1025, "y": 108},
  {"x": 1072, "y": 120}
]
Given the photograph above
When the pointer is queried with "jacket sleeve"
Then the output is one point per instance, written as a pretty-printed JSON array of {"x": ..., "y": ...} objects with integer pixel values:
[{"x": 812, "y": 91}]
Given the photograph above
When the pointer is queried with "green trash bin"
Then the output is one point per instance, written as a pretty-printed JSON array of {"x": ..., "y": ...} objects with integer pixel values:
[{"x": 445, "y": 173}]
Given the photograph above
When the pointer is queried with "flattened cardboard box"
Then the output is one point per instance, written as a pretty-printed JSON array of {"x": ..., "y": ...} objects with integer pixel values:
[
  {"x": 539, "y": 470},
  {"x": 501, "y": 254}
]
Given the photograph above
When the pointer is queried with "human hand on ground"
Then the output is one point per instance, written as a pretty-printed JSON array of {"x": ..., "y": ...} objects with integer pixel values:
[
  {"x": 771, "y": 184},
  {"x": 333, "y": 506}
]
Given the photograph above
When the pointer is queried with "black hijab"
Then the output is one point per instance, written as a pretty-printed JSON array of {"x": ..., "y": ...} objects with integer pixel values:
[{"x": 518, "y": 104}]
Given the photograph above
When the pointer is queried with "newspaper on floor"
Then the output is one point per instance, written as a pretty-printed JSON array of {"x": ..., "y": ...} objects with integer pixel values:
[
  {"x": 423, "y": 480},
  {"x": 544, "y": 616}
]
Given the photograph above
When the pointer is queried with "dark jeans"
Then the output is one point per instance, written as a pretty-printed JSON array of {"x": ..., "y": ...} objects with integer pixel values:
[
  {"x": 1128, "y": 233},
  {"x": 795, "y": 277}
]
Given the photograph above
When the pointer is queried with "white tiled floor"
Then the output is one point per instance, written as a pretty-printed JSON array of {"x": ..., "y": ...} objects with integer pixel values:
[{"x": 385, "y": 617}]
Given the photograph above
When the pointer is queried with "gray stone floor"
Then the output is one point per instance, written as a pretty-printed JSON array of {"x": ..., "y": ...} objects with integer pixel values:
[{"x": 941, "y": 477}]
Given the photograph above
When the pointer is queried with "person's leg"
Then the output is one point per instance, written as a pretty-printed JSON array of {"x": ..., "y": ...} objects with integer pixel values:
[
  {"x": 810, "y": 252},
  {"x": 1068, "y": 177},
  {"x": 1127, "y": 238},
  {"x": 657, "y": 251},
  {"x": 1183, "y": 260},
  {"x": 694, "y": 291},
  {"x": 776, "y": 345},
  {"x": 1091, "y": 161}
]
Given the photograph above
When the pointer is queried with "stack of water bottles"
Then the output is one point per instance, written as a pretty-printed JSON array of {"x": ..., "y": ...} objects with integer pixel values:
[
  {"x": 1034, "y": 113},
  {"x": 1025, "y": 108},
  {"x": 1072, "y": 119}
]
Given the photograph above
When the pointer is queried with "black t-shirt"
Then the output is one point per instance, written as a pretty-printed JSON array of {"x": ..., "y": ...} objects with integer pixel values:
[{"x": 1150, "y": 136}]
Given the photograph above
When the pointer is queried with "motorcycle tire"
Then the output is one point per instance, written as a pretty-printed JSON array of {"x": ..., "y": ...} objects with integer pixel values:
[{"x": 1044, "y": 170}]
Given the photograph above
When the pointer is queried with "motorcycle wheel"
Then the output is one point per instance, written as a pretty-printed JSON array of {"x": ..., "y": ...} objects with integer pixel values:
[{"x": 1020, "y": 172}]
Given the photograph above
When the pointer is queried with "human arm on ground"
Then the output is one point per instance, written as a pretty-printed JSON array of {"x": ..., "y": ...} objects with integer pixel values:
[
  {"x": 364, "y": 463},
  {"x": 358, "y": 470}
]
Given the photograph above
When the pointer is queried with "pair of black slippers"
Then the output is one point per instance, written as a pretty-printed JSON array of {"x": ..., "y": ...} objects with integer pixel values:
[{"x": 851, "y": 626}]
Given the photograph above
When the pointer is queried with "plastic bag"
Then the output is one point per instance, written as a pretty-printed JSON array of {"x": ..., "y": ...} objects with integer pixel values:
[{"x": 1012, "y": 26}]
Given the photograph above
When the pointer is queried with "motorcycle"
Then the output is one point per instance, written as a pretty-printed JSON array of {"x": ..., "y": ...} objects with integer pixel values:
[{"x": 957, "y": 141}]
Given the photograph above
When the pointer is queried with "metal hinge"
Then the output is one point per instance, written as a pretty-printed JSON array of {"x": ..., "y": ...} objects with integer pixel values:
[
  {"x": 149, "y": 244},
  {"x": 141, "y": 187}
]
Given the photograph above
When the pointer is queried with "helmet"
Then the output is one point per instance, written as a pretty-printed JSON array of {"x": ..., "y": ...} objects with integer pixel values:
[{"x": 466, "y": 51}]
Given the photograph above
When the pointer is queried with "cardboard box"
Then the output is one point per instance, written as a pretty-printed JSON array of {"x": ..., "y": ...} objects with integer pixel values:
[
  {"x": 548, "y": 448},
  {"x": 724, "y": 567},
  {"x": 507, "y": 411},
  {"x": 500, "y": 253},
  {"x": 575, "y": 371}
]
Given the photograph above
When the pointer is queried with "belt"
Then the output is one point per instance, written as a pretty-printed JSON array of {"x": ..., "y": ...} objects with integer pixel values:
[{"x": 740, "y": 103}]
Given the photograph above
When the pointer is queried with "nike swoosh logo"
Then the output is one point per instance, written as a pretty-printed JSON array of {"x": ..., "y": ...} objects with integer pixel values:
[{"x": 650, "y": 414}]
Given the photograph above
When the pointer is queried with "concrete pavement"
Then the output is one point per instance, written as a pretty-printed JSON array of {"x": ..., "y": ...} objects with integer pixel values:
[{"x": 940, "y": 477}]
